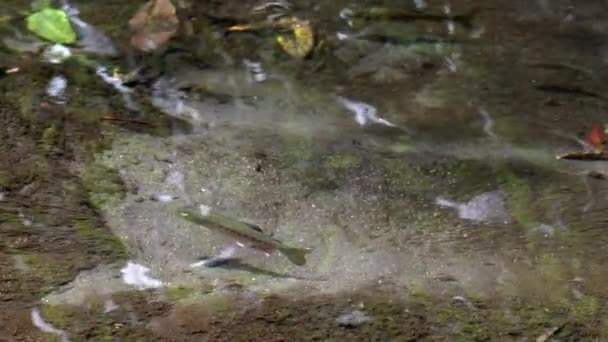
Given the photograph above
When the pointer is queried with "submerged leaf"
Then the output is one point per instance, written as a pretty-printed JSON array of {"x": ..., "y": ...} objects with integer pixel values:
[
  {"x": 300, "y": 41},
  {"x": 52, "y": 24},
  {"x": 153, "y": 25}
]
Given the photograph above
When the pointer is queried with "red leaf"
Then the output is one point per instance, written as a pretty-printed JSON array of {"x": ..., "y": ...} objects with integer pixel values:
[{"x": 596, "y": 137}]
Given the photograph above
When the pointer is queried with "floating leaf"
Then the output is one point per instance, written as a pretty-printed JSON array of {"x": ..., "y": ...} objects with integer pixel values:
[
  {"x": 52, "y": 24},
  {"x": 300, "y": 41}
]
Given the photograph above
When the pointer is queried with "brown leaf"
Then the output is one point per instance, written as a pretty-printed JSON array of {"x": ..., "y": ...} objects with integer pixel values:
[{"x": 153, "y": 25}]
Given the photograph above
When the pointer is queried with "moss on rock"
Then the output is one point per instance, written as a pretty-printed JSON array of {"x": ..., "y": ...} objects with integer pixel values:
[{"x": 104, "y": 185}]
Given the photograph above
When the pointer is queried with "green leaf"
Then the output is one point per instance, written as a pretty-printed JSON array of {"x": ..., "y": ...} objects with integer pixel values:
[{"x": 53, "y": 25}]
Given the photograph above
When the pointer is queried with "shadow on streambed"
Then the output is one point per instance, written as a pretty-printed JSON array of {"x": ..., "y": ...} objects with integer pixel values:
[{"x": 239, "y": 265}]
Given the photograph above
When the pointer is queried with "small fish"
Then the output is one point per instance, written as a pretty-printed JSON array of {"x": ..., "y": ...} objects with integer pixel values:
[{"x": 245, "y": 234}]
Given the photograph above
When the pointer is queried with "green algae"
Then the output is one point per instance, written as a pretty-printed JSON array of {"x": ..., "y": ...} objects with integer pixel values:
[
  {"x": 401, "y": 147},
  {"x": 419, "y": 294},
  {"x": 520, "y": 198},
  {"x": 297, "y": 150},
  {"x": 217, "y": 303},
  {"x": 406, "y": 177},
  {"x": 178, "y": 293},
  {"x": 9, "y": 217},
  {"x": 331, "y": 240},
  {"x": 466, "y": 325},
  {"x": 50, "y": 270},
  {"x": 187, "y": 293},
  {"x": 5, "y": 178},
  {"x": 342, "y": 161},
  {"x": 93, "y": 232},
  {"x": 585, "y": 309},
  {"x": 49, "y": 137},
  {"x": 61, "y": 316},
  {"x": 551, "y": 268},
  {"x": 104, "y": 185},
  {"x": 72, "y": 318},
  {"x": 317, "y": 179}
]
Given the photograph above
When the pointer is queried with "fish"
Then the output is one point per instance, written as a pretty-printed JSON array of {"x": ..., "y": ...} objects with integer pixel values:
[{"x": 246, "y": 234}]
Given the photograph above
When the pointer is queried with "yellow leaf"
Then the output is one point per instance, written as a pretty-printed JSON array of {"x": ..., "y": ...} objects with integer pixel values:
[{"x": 300, "y": 41}]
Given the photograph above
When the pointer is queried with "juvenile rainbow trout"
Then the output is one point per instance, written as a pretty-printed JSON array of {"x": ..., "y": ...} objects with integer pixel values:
[{"x": 245, "y": 234}]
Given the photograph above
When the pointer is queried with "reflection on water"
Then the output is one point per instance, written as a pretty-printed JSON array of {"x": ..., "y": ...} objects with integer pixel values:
[{"x": 411, "y": 145}]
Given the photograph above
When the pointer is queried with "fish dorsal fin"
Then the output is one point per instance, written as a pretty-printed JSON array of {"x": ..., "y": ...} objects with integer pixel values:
[{"x": 254, "y": 227}]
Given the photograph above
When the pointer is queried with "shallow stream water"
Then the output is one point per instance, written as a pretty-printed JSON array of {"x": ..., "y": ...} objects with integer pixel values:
[{"x": 413, "y": 150}]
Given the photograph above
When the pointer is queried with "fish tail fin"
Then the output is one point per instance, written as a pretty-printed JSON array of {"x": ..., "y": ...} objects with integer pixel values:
[{"x": 296, "y": 255}]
